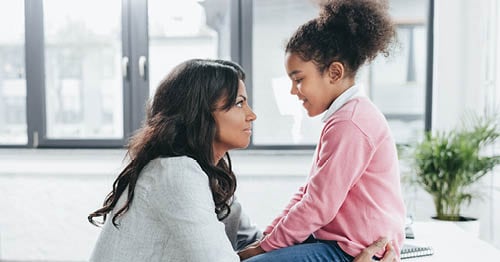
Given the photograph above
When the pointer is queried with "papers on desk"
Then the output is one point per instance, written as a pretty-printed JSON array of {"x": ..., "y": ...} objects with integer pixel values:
[{"x": 409, "y": 251}]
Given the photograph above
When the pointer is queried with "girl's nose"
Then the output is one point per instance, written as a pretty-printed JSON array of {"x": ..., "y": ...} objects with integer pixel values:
[{"x": 294, "y": 90}]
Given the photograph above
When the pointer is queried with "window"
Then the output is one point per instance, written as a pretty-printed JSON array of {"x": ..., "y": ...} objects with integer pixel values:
[
  {"x": 92, "y": 65},
  {"x": 403, "y": 75},
  {"x": 281, "y": 118},
  {"x": 13, "y": 127},
  {"x": 179, "y": 30},
  {"x": 282, "y": 122},
  {"x": 83, "y": 93}
]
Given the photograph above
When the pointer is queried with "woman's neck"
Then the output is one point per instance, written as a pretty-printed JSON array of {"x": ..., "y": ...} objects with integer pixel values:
[{"x": 218, "y": 156}]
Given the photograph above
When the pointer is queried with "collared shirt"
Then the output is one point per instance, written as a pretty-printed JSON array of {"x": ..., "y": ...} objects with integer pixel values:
[{"x": 350, "y": 93}]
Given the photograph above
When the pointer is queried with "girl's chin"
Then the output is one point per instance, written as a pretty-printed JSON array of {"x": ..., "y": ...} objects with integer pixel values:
[{"x": 312, "y": 114}]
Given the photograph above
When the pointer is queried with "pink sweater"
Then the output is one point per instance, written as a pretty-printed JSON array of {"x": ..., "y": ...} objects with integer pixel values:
[{"x": 353, "y": 193}]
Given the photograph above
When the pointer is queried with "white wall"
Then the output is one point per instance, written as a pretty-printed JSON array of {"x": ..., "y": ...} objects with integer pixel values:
[
  {"x": 464, "y": 39},
  {"x": 46, "y": 195},
  {"x": 458, "y": 67}
]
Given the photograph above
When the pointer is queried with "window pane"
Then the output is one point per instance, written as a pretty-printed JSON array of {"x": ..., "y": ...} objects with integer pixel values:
[
  {"x": 179, "y": 30},
  {"x": 281, "y": 118},
  {"x": 403, "y": 74},
  {"x": 83, "y": 93},
  {"x": 13, "y": 128},
  {"x": 283, "y": 121}
]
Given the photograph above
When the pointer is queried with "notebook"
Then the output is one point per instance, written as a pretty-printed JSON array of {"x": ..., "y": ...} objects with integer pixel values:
[{"x": 409, "y": 251}]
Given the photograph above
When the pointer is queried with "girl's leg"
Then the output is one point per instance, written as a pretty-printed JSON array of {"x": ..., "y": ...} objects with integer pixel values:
[{"x": 310, "y": 252}]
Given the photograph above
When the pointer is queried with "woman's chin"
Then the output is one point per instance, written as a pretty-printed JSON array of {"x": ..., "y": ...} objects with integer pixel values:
[
  {"x": 242, "y": 146},
  {"x": 245, "y": 145}
]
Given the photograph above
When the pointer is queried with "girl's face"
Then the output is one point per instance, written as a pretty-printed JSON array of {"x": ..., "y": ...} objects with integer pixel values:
[
  {"x": 234, "y": 126},
  {"x": 316, "y": 90}
]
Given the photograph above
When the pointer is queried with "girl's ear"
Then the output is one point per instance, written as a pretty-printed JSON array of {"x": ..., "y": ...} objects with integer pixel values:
[{"x": 336, "y": 71}]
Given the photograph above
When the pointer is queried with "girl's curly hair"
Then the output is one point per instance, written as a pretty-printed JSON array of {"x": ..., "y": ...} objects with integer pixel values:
[{"x": 352, "y": 32}]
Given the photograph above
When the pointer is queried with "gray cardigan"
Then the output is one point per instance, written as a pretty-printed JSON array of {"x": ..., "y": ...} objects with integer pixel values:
[{"x": 172, "y": 218}]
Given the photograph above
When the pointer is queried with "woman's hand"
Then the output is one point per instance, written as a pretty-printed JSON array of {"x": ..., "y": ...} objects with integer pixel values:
[
  {"x": 250, "y": 251},
  {"x": 381, "y": 244}
]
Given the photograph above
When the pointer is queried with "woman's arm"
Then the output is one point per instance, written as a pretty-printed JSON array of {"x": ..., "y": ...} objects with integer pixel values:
[
  {"x": 239, "y": 228},
  {"x": 380, "y": 245},
  {"x": 183, "y": 201}
]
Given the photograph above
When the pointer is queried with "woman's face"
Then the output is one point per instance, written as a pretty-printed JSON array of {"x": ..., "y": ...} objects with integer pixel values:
[
  {"x": 234, "y": 126},
  {"x": 313, "y": 88}
]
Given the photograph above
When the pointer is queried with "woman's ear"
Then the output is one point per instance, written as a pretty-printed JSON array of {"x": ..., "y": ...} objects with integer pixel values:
[{"x": 336, "y": 71}]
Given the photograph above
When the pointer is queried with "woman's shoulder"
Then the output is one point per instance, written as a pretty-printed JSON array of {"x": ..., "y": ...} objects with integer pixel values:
[
  {"x": 176, "y": 175},
  {"x": 179, "y": 167},
  {"x": 175, "y": 161}
]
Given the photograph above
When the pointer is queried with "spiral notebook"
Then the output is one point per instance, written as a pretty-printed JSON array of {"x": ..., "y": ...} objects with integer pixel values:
[{"x": 409, "y": 251}]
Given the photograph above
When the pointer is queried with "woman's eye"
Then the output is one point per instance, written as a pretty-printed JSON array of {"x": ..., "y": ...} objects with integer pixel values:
[{"x": 239, "y": 104}]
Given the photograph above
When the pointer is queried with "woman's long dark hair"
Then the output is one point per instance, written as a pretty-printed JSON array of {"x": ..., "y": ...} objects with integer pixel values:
[{"x": 179, "y": 122}]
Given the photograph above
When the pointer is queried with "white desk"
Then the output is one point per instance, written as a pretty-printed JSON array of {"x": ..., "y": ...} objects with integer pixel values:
[{"x": 450, "y": 243}]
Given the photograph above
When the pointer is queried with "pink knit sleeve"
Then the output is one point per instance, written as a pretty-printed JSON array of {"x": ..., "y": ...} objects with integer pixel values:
[
  {"x": 296, "y": 198},
  {"x": 343, "y": 155}
]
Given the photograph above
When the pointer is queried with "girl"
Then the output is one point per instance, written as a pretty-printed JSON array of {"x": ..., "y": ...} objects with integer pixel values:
[{"x": 352, "y": 195}]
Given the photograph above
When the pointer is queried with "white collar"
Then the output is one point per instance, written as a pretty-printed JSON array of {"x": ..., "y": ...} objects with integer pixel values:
[{"x": 352, "y": 92}]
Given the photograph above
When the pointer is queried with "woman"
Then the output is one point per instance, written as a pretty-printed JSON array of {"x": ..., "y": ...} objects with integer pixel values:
[{"x": 168, "y": 202}]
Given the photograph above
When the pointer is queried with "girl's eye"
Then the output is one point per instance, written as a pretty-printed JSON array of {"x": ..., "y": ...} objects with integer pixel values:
[{"x": 298, "y": 81}]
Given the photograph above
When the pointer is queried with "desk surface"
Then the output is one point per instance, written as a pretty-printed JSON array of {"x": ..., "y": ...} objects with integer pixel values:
[{"x": 450, "y": 243}]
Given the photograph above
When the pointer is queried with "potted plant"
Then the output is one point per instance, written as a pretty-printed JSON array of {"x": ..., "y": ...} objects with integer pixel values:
[{"x": 447, "y": 164}]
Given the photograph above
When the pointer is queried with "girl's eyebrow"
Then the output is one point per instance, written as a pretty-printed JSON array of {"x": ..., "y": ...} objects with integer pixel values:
[{"x": 294, "y": 72}]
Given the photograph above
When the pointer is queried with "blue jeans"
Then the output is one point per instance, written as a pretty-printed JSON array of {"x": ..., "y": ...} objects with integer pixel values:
[{"x": 311, "y": 250}]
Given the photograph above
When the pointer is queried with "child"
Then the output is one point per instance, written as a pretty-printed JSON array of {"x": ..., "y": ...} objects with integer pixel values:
[{"x": 352, "y": 195}]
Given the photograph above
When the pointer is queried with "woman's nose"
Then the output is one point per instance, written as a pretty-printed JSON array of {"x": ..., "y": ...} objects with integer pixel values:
[{"x": 251, "y": 116}]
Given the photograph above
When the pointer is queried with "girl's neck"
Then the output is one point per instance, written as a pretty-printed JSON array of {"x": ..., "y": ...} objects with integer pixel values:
[{"x": 347, "y": 83}]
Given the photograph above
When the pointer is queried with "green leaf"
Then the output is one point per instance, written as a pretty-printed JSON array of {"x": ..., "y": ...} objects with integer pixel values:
[{"x": 447, "y": 164}]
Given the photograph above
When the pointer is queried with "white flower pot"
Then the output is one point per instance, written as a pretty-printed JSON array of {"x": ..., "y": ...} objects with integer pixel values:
[{"x": 470, "y": 225}]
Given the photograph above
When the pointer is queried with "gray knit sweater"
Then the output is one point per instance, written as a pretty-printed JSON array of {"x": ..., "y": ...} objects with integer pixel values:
[{"x": 172, "y": 218}]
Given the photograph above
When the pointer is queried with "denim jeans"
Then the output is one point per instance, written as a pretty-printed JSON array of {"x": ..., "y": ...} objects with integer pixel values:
[{"x": 311, "y": 250}]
